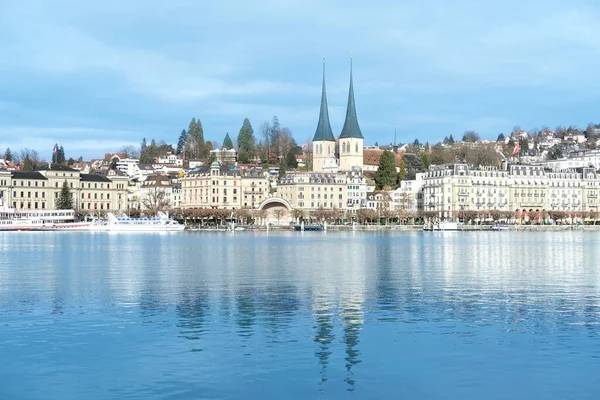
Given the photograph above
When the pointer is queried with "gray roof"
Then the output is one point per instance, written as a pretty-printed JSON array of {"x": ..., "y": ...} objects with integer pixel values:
[
  {"x": 323, "y": 132},
  {"x": 351, "y": 128},
  {"x": 28, "y": 175},
  {"x": 57, "y": 167},
  {"x": 94, "y": 178}
]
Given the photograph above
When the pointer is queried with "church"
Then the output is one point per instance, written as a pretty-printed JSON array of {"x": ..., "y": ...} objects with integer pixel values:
[{"x": 349, "y": 151}]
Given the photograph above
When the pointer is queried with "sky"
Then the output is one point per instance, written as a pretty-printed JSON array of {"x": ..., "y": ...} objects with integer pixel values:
[{"x": 96, "y": 76}]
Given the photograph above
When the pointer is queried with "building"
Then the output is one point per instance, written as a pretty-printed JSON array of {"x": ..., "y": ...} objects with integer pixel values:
[
  {"x": 224, "y": 156},
  {"x": 221, "y": 186},
  {"x": 350, "y": 142},
  {"x": 313, "y": 190},
  {"x": 40, "y": 190},
  {"x": 455, "y": 188},
  {"x": 409, "y": 196},
  {"x": 159, "y": 191},
  {"x": 380, "y": 201}
]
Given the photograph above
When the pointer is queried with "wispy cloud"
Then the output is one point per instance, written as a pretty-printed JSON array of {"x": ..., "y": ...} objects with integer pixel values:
[{"x": 433, "y": 66}]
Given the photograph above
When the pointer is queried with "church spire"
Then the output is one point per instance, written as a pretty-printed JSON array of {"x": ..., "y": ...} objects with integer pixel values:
[
  {"x": 324, "y": 132},
  {"x": 351, "y": 128}
]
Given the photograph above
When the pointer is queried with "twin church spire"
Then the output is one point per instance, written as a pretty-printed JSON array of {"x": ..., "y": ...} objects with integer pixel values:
[{"x": 351, "y": 128}]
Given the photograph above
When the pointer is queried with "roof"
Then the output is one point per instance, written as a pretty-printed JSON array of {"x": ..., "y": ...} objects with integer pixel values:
[
  {"x": 223, "y": 169},
  {"x": 28, "y": 175},
  {"x": 351, "y": 128},
  {"x": 57, "y": 167},
  {"x": 372, "y": 157},
  {"x": 94, "y": 178},
  {"x": 323, "y": 132},
  {"x": 157, "y": 180}
]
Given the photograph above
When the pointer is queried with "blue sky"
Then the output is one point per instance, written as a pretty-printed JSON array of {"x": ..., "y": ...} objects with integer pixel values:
[{"x": 95, "y": 76}]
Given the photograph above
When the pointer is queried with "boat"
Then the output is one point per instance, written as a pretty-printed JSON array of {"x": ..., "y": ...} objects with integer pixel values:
[
  {"x": 162, "y": 223},
  {"x": 39, "y": 220},
  {"x": 500, "y": 227},
  {"x": 444, "y": 226},
  {"x": 308, "y": 228}
]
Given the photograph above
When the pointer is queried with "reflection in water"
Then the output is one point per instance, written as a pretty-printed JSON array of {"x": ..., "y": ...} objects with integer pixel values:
[
  {"x": 323, "y": 312},
  {"x": 324, "y": 335}
]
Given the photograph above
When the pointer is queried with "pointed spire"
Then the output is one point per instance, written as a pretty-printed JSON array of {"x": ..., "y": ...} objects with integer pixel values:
[
  {"x": 351, "y": 128},
  {"x": 324, "y": 132},
  {"x": 394, "y": 134}
]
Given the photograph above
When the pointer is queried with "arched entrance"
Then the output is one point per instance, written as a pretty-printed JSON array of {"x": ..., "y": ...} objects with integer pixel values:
[{"x": 277, "y": 211}]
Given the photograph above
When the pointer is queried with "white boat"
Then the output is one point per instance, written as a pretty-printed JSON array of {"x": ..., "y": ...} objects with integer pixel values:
[
  {"x": 444, "y": 226},
  {"x": 162, "y": 223},
  {"x": 39, "y": 220}
]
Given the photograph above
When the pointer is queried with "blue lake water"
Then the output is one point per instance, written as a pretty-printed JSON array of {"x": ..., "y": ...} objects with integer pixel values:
[{"x": 319, "y": 315}]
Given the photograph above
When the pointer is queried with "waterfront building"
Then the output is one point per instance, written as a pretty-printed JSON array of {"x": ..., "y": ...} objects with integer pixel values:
[
  {"x": 408, "y": 196},
  {"x": 311, "y": 190},
  {"x": 223, "y": 186},
  {"x": 454, "y": 188},
  {"x": 40, "y": 190}
]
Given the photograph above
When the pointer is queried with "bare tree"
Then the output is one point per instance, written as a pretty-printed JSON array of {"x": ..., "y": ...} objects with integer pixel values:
[
  {"x": 155, "y": 200},
  {"x": 130, "y": 151}
]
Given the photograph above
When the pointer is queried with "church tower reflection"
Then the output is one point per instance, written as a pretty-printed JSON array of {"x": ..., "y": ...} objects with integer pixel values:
[
  {"x": 324, "y": 324},
  {"x": 353, "y": 322}
]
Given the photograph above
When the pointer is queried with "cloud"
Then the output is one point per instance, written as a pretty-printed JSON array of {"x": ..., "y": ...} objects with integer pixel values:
[{"x": 436, "y": 67}]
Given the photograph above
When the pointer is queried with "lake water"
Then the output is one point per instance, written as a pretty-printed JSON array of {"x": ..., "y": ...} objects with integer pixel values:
[{"x": 313, "y": 315}]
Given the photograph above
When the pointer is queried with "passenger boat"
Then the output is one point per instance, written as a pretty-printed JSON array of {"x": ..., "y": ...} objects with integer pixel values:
[
  {"x": 39, "y": 220},
  {"x": 162, "y": 223}
]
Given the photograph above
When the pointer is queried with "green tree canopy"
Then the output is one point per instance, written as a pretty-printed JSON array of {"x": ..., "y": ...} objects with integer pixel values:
[
  {"x": 65, "y": 199},
  {"x": 414, "y": 164},
  {"x": 227, "y": 143},
  {"x": 290, "y": 159},
  {"x": 386, "y": 176},
  {"x": 8, "y": 155},
  {"x": 246, "y": 142},
  {"x": 27, "y": 164},
  {"x": 425, "y": 158},
  {"x": 401, "y": 172},
  {"x": 451, "y": 139},
  {"x": 500, "y": 138}
]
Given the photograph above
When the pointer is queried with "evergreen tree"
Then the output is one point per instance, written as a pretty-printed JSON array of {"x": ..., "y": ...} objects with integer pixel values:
[
  {"x": 290, "y": 159},
  {"x": 181, "y": 142},
  {"x": 55, "y": 153},
  {"x": 227, "y": 143},
  {"x": 27, "y": 164},
  {"x": 212, "y": 158},
  {"x": 451, "y": 140},
  {"x": 425, "y": 159},
  {"x": 401, "y": 172},
  {"x": 281, "y": 169},
  {"x": 386, "y": 173},
  {"x": 60, "y": 156},
  {"x": 501, "y": 138},
  {"x": 70, "y": 161},
  {"x": 65, "y": 199},
  {"x": 246, "y": 142},
  {"x": 8, "y": 155}
]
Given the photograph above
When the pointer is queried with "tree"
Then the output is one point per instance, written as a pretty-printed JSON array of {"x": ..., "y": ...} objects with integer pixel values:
[
  {"x": 386, "y": 176},
  {"x": 451, "y": 140},
  {"x": 155, "y": 200},
  {"x": 246, "y": 142},
  {"x": 130, "y": 151},
  {"x": 227, "y": 143},
  {"x": 500, "y": 138},
  {"x": 27, "y": 164},
  {"x": 470, "y": 136},
  {"x": 290, "y": 160},
  {"x": 212, "y": 158},
  {"x": 376, "y": 144},
  {"x": 65, "y": 198},
  {"x": 60, "y": 158},
  {"x": 401, "y": 172},
  {"x": 425, "y": 158},
  {"x": 181, "y": 142},
  {"x": 55, "y": 153},
  {"x": 281, "y": 169},
  {"x": 555, "y": 152},
  {"x": 414, "y": 164},
  {"x": 70, "y": 161},
  {"x": 8, "y": 155},
  {"x": 113, "y": 163}
]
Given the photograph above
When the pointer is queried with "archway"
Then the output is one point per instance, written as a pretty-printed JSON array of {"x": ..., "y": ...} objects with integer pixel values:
[{"x": 277, "y": 211}]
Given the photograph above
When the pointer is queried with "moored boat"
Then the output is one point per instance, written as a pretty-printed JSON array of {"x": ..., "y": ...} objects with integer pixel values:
[
  {"x": 39, "y": 220},
  {"x": 162, "y": 223}
]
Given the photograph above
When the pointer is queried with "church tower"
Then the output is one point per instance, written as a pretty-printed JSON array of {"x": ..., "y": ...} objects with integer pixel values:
[
  {"x": 323, "y": 143},
  {"x": 351, "y": 138}
]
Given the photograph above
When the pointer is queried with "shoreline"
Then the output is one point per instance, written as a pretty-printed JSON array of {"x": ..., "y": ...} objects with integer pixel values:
[{"x": 409, "y": 228}]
